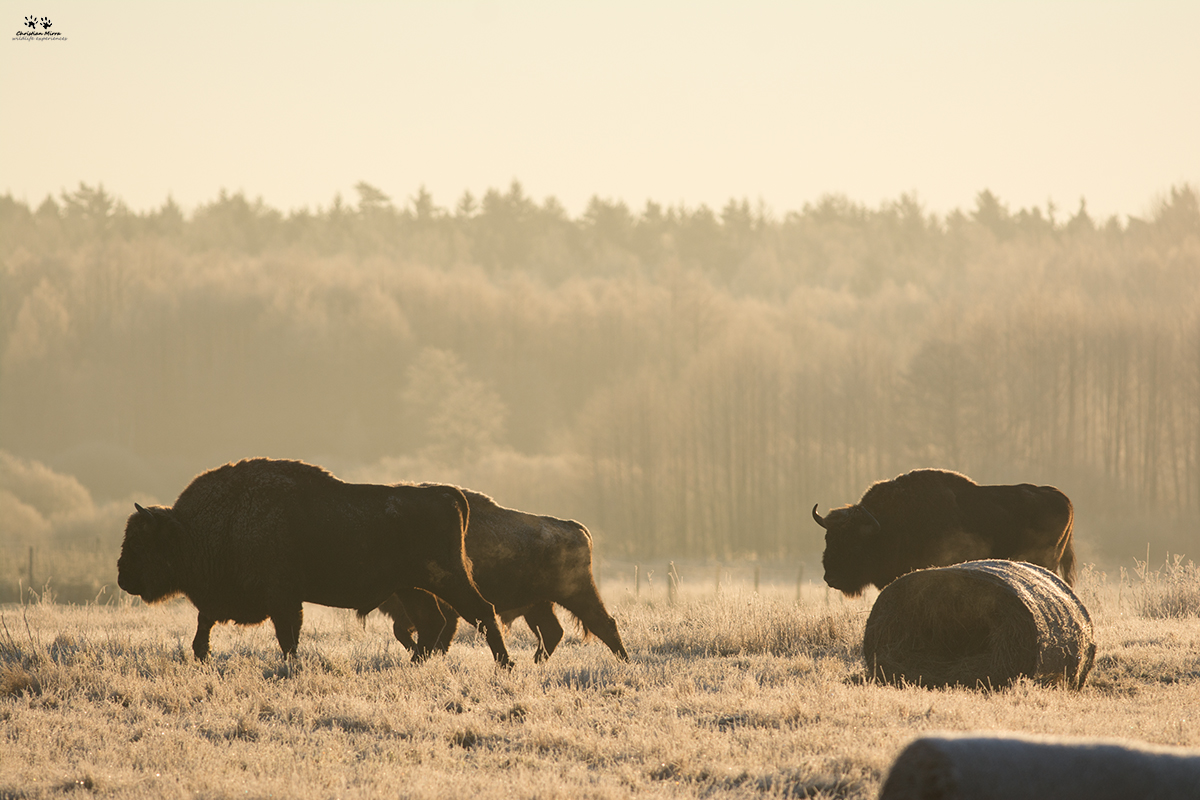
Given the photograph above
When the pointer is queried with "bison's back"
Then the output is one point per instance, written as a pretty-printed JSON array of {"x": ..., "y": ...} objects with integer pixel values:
[
  {"x": 938, "y": 517},
  {"x": 277, "y": 527},
  {"x": 517, "y": 556},
  {"x": 1025, "y": 522},
  {"x": 919, "y": 504}
]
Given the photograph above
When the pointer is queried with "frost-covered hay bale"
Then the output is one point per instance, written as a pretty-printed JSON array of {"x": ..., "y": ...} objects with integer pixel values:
[
  {"x": 978, "y": 767},
  {"x": 982, "y": 623}
]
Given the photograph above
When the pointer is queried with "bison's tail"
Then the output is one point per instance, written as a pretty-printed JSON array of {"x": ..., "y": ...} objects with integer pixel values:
[
  {"x": 1066, "y": 548},
  {"x": 464, "y": 508}
]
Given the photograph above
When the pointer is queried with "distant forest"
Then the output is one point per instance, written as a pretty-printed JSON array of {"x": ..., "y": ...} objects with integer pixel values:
[{"x": 687, "y": 382}]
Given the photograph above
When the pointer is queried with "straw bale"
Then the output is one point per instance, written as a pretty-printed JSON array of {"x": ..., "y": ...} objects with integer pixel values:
[
  {"x": 987, "y": 767},
  {"x": 979, "y": 624}
]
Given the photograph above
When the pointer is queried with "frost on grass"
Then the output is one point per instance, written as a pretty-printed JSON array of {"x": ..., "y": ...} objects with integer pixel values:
[
  {"x": 745, "y": 624},
  {"x": 725, "y": 696}
]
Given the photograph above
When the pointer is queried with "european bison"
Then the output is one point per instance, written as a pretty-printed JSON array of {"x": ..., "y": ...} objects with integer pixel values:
[
  {"x": 524, "y": 563},
  {"x": 259, "y": 538},
  {"x": 934, "y": 518}
]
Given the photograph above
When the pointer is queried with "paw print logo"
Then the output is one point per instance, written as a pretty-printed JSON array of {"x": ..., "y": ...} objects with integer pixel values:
[
  {"x": 46, "y": 23},
  {"x": 31, "y": 22}
]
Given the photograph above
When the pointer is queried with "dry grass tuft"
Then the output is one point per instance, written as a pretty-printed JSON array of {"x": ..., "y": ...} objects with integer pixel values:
[
  {"x": 979, "y": 624},
  {"x": 16, "y": 680},
  {"x": 1172, "y": 592},
  {"x": 740, "y": 623}
]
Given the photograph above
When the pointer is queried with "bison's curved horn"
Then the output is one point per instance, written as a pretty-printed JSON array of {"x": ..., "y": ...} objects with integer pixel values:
[
  {"x": 817, "y": 516},
  {"x": 874, "y": 521},
  {"x": 140, "y": 509}
]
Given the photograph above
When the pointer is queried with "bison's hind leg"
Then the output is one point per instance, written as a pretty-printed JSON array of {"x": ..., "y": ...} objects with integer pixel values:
[
  {"x": 415, "y": 611},
  {"x": 545, "y": 626},
  {"x": 204, "y": 626},
  {"x": 449, "y": 626},
  {"x": 403, "y": 626},
  {"x": 287, "y": 628},
  {"x": 404, "y": 636}
]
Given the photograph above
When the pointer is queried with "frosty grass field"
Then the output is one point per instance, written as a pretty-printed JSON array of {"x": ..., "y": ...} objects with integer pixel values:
[{"x": 730, "y": 694}]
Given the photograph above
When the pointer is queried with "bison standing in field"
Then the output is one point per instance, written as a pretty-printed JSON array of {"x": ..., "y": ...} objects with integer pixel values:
[
  {"x": 524, "y": 563},
  {"x": 934, "y": 518},
  {"x": 259, "y": 538}
]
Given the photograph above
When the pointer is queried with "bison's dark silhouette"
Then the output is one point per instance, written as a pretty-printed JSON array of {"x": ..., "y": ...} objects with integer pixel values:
[
  {"x": 934, "y": 518},
  {"x": 524, "y": 563},
  {"x": 259, "y": 538}
]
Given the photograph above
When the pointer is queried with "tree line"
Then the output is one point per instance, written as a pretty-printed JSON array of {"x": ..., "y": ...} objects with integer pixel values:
[{"x": 685, "y": 381}]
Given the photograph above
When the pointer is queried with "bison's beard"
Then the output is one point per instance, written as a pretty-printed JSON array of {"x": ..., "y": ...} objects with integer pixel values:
[
  {"x": 150, "y": 585},
  {"x": 849, "y": 591},
  {"x": 849, "y": 585}
]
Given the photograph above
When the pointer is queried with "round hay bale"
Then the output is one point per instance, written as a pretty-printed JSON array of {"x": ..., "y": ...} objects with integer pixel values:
[
  {"x": 979, "y": 624},
  {"x": 1009, "y": 767}
]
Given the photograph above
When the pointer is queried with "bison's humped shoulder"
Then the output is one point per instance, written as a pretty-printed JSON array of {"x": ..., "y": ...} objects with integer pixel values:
[
  {"x": 574, "y": 532},
  {"x": 250, "y": 476},
  {"x": 273, "y": 473},
  {"x": 549, "y": 532},
  {"x": 947, "y": 478},
  {"x": 282, "y": 466}
]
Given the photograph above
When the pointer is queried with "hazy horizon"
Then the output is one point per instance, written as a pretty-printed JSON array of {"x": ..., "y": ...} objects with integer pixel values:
[{"x": 670, "y": 102}]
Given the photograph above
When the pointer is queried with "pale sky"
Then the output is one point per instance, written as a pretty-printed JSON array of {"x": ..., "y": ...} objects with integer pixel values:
[{"x": 678, "y": 102}]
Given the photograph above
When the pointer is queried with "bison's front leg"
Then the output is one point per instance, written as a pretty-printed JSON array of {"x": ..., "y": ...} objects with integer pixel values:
[
  {"x": 204, "y": 625},
  {"x": 464, "y": 598},
  {"x": 586, "y": 605},
  {"x": 287, "y": 627}
]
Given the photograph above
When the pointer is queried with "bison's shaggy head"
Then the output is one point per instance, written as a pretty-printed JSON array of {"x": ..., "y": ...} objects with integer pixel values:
[
  {"x": 851, "y": 547},
  {"x": 146, "y": 566}
]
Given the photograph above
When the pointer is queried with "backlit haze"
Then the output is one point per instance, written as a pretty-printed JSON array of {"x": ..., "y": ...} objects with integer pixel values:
[{"x": 676, "y": 102}]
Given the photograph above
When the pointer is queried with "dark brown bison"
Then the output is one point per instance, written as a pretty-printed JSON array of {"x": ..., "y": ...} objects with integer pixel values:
[
  {"x": 934, "y": 518},
  {"x": 259, "y": 538},
  {"x": 524, "y": 563}
]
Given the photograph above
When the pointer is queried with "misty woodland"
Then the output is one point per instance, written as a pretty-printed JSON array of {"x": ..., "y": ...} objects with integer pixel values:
[{"x": 688, "y": 383}]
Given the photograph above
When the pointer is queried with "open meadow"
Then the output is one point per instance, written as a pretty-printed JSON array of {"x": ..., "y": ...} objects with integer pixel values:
[
  {"x": 729, "y": 694},
  {"x": 722, "y": 311}
]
